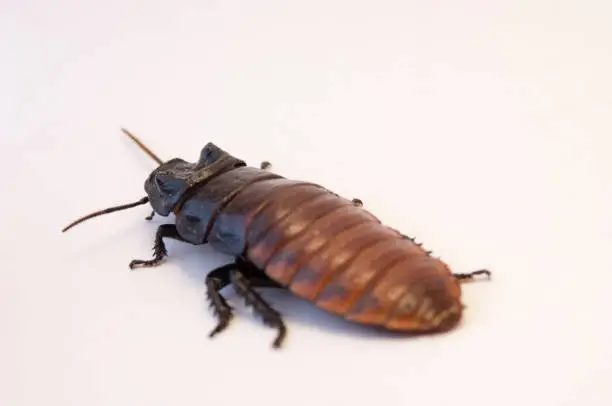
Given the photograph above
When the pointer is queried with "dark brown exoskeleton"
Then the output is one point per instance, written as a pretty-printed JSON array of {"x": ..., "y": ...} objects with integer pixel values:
[{"x": 299, "y": 236}]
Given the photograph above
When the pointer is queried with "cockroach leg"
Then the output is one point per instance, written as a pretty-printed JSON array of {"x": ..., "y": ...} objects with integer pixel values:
[
  {"x": 216, "y": 280},
  {"x": 159, "y": 248},
  {"x": 265, "y": 165},
  {"x": 465, "y": 277},
  {"x": 150, "y": 216},
  {"x": 220, "y": 277},
  {"x": 357, "y": 202},
  {"x": 270, "y": 316}
]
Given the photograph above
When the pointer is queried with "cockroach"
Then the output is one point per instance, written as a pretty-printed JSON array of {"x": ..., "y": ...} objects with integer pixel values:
[{"x": 299, "y": 236}]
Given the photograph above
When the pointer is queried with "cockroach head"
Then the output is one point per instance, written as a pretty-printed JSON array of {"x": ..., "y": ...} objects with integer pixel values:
[{"x": 168, "y": 183}]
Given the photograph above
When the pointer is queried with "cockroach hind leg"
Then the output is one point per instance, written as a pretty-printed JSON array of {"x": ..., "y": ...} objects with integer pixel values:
[{"x": 466, "y": 277}]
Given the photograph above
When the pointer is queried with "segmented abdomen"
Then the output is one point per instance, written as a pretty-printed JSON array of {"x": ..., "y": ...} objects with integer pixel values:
[{"x": 339, "y": 256}]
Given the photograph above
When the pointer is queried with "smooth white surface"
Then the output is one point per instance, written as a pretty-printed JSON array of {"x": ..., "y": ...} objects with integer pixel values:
[{"x": 483, "y": 128}]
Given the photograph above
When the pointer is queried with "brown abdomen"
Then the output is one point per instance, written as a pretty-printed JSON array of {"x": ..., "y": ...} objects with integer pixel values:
[{"x": 339, "y": 256}]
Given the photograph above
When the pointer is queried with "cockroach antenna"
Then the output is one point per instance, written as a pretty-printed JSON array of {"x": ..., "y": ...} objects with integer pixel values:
[
  {"x": 140, "y": 202},
  {"x": 142, "y": 146}
]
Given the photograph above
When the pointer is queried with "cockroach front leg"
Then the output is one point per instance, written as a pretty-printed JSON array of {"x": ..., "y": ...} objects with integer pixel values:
[{"x": 159, "y": 248}]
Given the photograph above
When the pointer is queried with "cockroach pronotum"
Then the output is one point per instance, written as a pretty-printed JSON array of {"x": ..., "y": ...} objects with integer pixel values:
[{"x": 299, "y": 236}]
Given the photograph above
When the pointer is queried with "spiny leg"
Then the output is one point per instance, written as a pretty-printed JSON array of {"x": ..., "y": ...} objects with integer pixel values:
[
  {"x": 464, "y": 277},
  {"x": 159, "y": 248},
  {"x": 270, "y": 316},
  {"x": 220, "y": 277},
  {"x": 150, "y": 216},
  {"x": 216, "y": 280}
]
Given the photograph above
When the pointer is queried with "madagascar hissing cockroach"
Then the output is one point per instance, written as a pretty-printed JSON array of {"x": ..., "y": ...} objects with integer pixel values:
[{"x": 299, "y": 236}]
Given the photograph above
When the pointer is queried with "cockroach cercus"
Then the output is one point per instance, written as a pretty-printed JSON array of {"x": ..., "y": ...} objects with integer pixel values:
[{"x": 299, "y": 236}]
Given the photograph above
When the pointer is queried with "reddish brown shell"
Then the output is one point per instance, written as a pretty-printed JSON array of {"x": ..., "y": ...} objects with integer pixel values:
[{"x": 337, "y": 255}]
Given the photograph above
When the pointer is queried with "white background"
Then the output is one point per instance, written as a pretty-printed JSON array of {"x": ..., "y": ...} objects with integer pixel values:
[{"x": 482, "y": 128}]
